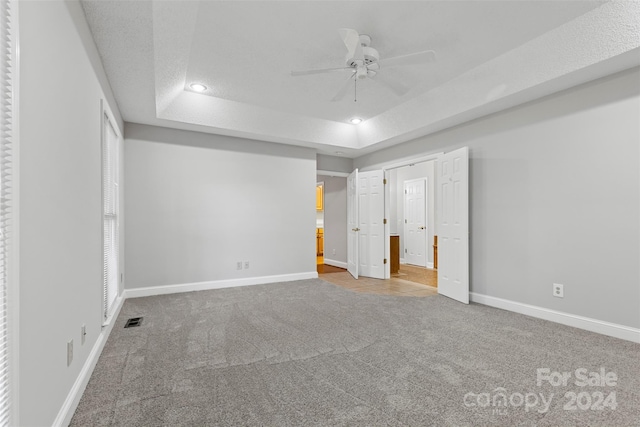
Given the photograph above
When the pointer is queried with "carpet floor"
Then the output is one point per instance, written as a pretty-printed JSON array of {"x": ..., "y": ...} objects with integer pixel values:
[{"x": 312, "y": 353}]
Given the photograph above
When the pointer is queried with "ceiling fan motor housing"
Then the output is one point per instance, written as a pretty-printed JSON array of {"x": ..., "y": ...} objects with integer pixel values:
[{"x": 370, "y": 55}]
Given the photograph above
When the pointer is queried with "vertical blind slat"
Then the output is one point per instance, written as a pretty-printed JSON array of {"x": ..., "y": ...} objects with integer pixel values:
[
  {"x": 6, "y": 193},
  {"x": 110, "y": 168}
]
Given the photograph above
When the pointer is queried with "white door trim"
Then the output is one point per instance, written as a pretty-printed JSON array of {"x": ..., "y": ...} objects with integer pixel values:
[
  {"x": 352, "y": 224},
  {"x": 403, "y": 163},
  {"x": 331, "y": 173},
  {"x": 387, "y": 226}
]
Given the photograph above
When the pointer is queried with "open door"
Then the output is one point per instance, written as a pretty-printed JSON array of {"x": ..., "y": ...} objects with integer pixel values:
[
  {"x": 371, "y": 224},
  {"x": 352, "y": 224},
  {"x": 452, "y": 180},
  {"x": 365, "y": 224}
]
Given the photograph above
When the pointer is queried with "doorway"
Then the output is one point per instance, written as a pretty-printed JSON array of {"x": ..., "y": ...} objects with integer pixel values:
[
  {"x": 412, "y": 212},
  {"x": 319, "y": 224},
  {"x": 452, "y": 220}
]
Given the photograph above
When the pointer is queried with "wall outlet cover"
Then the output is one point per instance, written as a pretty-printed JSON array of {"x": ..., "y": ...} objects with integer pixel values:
[{"x": 558, "y": 290}]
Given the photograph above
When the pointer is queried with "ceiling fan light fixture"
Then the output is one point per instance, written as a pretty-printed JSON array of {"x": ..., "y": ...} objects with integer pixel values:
[
  {"x": 198, "y": 87},
  {"x": 356, "y": 120}
]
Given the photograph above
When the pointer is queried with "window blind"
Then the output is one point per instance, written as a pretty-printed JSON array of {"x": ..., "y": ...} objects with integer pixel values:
[
  {"x": 6, "y": 141},
  {"x": 110, "y": 191}
]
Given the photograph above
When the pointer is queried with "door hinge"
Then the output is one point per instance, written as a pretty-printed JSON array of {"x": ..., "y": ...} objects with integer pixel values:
[
  {"x": 405, "y": 251},
  {"x": 384, "y": 181},
  {"x": 384, "y": 221},
  {"x": 405, "y": 221},
  {"x": 385, "y": 260}
]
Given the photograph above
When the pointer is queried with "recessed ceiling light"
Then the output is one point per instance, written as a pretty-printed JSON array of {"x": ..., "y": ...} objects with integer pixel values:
[
  {"x": 339, "y": 152},
  {"x": 356, "y": 121},
  {"x": 198, "y": 87}
]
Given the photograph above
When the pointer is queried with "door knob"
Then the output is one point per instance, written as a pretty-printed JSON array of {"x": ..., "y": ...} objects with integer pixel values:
[
  {"x": 422, "y": 228},
  {"x": 355, "y": 229}
]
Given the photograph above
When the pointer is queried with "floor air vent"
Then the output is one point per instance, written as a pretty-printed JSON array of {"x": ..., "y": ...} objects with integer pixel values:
[{"x": 133, "y": 322}]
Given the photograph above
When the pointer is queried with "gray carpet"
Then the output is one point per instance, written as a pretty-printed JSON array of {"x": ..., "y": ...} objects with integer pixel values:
[{"x": 311, "y": 353}]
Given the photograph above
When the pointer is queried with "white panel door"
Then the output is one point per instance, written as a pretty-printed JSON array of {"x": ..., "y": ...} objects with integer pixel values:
[
  {"x": 352, "y": 223},
  {"x": 371, "y": 224},
  {"x": 415, "y": 220},
  {"x": 453, "y": 224}
]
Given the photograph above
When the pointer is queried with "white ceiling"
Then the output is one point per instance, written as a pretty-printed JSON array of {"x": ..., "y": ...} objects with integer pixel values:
[{"x": 489, "y": 55}]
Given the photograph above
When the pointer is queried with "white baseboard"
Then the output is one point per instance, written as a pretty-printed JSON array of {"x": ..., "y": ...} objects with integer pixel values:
[
  {"x": 216, "y": 284},
  {"x": 402, "y": 261},
  {"x": 589, "y": 324},
  {"x": 430, "y": 265},
  {"x": 75, "y": 394},
  {"x": 335, "y": 263}
]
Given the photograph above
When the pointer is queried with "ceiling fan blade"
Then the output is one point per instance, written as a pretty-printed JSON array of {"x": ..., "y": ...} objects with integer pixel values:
[
  {"x": 343, "y": 90},
  {"x": 351, "y": 40},
  {"x": 319, "y": 71},
  {"x": 393, "y": 85},
  {"x": 410, "y": 59}
]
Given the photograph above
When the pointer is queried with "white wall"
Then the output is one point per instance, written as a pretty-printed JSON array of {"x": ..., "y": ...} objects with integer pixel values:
[
  {"x": 60, "y": 203},
  {"x": 335, "y": 219},
  {"x": 555, "y": 197},
  {"x": 198, "y": 203}
]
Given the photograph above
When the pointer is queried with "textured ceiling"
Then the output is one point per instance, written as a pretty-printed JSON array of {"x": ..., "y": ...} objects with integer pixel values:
[{"x": 489, "y": 55}]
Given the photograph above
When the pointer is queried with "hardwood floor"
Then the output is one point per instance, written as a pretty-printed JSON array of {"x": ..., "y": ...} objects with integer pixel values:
[
  {"x": 412, "y": 273},
  {"x": 410, "y": 281}
]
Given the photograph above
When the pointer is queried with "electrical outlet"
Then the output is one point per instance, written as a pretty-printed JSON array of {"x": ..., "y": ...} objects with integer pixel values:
[
  {"x": 239, "y": 265},
  {"x": 558, "y": 290},
  {"x": 69, "y": 352},
  {"x": 83, "y": 334},
  {"x": 246, "y": 265}
]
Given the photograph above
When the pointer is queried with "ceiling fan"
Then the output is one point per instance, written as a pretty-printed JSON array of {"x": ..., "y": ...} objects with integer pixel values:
[{"x": 363, "y": 62}]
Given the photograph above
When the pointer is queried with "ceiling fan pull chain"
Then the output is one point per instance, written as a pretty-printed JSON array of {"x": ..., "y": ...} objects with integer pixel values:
[{"x": 355, "y": 91}]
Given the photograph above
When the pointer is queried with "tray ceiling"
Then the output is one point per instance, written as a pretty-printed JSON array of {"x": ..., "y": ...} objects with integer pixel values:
[{"x": 489, "y": 55}]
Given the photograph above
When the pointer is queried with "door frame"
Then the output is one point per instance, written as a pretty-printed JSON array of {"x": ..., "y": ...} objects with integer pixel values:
[
  {"x": 320, "y": 184},
  {"x": 352, "y": 239}
]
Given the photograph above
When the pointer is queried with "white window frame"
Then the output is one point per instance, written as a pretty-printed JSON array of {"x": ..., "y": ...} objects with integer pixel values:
[{"x": 111, "y": 269}]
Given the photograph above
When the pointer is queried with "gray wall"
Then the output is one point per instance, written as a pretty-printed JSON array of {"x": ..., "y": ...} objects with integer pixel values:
[
  {"x": 60, "y": 209},
  {"x": 198, "y": 203},
  {"x": 335, "y": 218},
  {"x": 554, "y": 197},
  {"x": 334, "y": 163}
]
